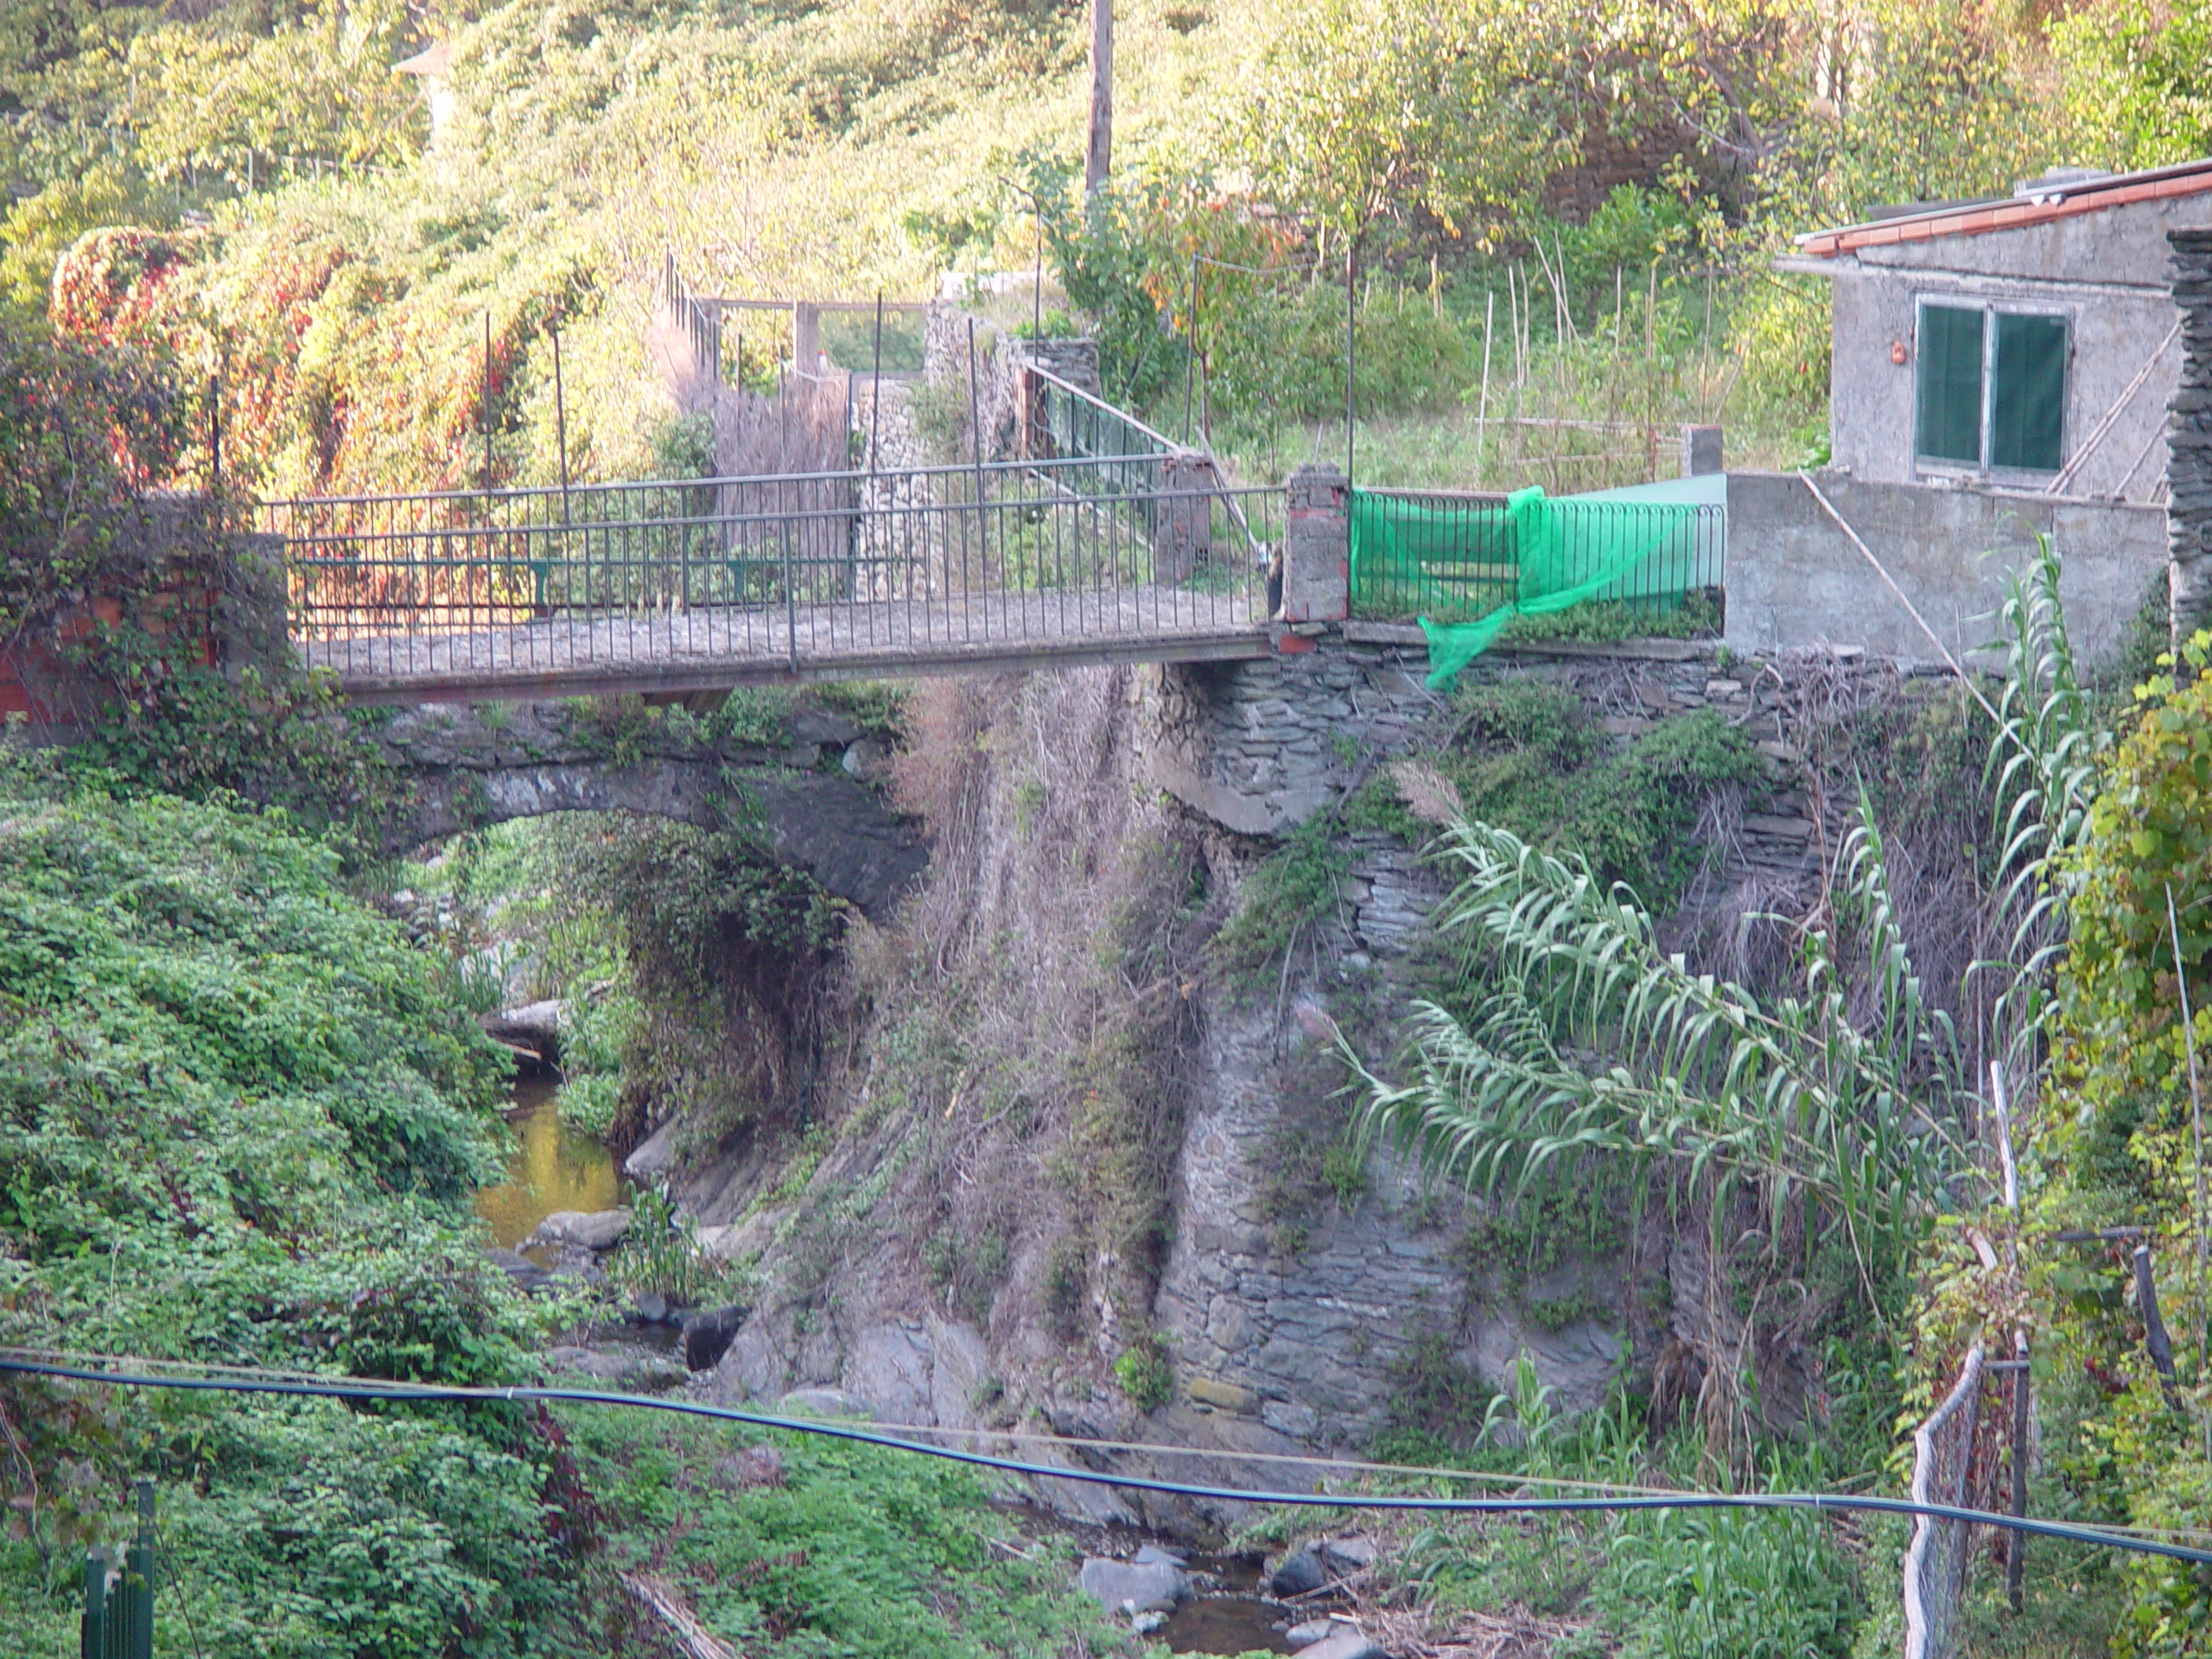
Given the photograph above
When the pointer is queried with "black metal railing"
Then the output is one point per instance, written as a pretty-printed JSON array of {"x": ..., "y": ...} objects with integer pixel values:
[{"x": 529, "y": 583}]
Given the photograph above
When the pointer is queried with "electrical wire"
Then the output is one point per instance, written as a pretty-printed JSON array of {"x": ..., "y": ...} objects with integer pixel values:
[{"x": 370, "y": 1388}]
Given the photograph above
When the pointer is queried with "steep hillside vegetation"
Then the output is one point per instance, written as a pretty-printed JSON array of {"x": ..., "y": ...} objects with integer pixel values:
[{"x": 1516, "y": 182}]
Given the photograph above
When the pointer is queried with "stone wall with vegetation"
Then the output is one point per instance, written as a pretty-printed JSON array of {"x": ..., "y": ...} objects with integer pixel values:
[{"x": 1095, "y": 1164}]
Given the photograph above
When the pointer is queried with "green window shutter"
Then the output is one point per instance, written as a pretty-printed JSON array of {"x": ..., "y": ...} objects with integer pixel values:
[
  {"x": 2027, "y": 419},
  {"x": 1950, "y": 384}
]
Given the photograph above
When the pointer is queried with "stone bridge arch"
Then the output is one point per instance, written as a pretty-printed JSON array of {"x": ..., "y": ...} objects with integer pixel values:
[{"x": 811, "y": 795}]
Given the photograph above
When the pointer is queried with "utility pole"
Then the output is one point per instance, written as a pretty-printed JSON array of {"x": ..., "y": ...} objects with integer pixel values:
[{"x": 1098, "y": 152}]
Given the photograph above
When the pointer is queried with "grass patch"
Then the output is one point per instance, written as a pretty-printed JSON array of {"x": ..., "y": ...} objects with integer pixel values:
[
  {"x": 1145, "y": 1374},
  {"x": 817, "y": 1549},
  {"x": 1605, "y": 621}
]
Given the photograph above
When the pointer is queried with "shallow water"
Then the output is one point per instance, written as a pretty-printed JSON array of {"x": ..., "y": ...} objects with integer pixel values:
[
  {"x": 551, "y": 1168},
  {"x": 1225, "y": 1624}
]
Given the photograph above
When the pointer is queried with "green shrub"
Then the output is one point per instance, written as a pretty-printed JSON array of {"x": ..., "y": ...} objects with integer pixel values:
[
  {"x": 661, "y": 1253},
  {"x": 241, "y": 1122},
  {"x": 1527, "y": 757},
  {"x": 587, "y": 1103},
  {"x": 1145, "y": 1375},
  {"x": 1285, "y": 894}
]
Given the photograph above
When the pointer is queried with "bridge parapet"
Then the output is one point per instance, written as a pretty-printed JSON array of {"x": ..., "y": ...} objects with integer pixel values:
[{"x": 699, "y": 584}]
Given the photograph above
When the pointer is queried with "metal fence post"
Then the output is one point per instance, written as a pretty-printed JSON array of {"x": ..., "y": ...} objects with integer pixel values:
[
  {"x": 138, "y": 1583},
  {"x": 92, "y": 1641},
  {"x": 2016, "y": 1542}
]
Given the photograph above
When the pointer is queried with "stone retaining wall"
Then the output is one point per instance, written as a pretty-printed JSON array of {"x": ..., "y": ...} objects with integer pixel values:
[
  {"x": 1314, "y": 1340},
  {"x": 1259, "y": 747},
  {"x": 2188, "y": 434},
  {"x": 1000, "y": 358}
]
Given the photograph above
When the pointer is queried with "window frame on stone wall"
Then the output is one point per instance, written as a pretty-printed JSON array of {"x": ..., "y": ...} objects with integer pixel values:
[{"x": 1993, "y": 411}]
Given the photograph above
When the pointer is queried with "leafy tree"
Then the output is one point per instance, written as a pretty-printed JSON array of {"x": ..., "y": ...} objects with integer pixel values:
[
  {"x": 2137, "y": 87},
  {"x": 1357, "y": 113},
  {"x": 240, "y": 1120}
]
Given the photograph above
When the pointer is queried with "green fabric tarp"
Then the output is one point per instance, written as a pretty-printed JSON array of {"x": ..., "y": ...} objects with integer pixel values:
[{"x": 1525, "y": 556}]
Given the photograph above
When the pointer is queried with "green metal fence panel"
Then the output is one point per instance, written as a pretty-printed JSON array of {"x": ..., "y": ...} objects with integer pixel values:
[
  {"x": 1463, "y": 565},
  {"x": 118, "y": 1615}
]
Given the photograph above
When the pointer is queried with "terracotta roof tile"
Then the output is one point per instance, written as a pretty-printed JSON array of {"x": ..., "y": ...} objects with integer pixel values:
[{"x": 2059, "y": 201}]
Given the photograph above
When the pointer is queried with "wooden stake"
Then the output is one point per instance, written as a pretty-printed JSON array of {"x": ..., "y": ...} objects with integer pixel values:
[
  {"x": 561, "y": 424},
  {"x": 1482, "y": 409},
  {"x": 1191, "y": 346},
  {"x": 2156, "y": 1343},
  {"x": 1352, "y": 364},
  {"x": 875, "y": 402},
  {"x": 2196, "y": 1087},
  {"x": 487, "y": 402},
  {"x": 1098, "y": 149}
]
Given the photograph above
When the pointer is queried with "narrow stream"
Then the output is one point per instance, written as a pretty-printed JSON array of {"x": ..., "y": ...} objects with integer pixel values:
[
  {"x": 1236, "y": 1620},
  {"x": 552, "y": 1167},
  {"x": 555, "y": 1168}
]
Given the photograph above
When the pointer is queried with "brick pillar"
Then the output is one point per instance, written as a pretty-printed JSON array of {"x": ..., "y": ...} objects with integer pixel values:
[
  {"x": 1317, "y": 547},
  {"x": 2188, "y": 436}
]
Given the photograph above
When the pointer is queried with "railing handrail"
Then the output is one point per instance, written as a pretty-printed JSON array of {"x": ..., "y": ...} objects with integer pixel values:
[
  {"x": 769, "y": 516},
  {"x": 1406, "y": 491},
  {"x": 517, "y": 492},
  {"x": 1167, "y": 444}
]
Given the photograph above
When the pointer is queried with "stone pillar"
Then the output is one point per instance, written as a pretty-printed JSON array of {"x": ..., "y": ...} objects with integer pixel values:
[
  {"x": 1317, "y": 546},
  {"x": 806, "y": 337},
  {"x": 1183, "y": 539},
  {"x": 2188, "y": 436},
  {"x": 1701, "y": 451}
]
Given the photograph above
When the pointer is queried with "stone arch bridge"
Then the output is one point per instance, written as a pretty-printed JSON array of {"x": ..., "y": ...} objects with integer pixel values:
[{"x": 806, "y": 780}]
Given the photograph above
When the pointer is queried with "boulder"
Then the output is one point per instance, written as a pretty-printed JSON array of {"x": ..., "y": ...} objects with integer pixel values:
[
  {"x": 821, "y": 1402},
  {"x": 813, "y": 725},
  {"x": 595, "y": 1229},
  {"x": 1314, "y": 1630},
  {"x": 707, "y": 1335},
  {"x": 533, "y": 1025},
  {"x": 1127, "y": 1587},
  {"x": 866, "y": 759},
  {"x": 1154, "y": 1556},
  {"x": 652, "y": 1307},
  {"x": 1301, "y": 1573},
  {"x": 889, "y": 1367},
  {"x": 1344, "y": 1556},
  {"x": 525, "y": 1273},
  {"x": 1345, "y": 1643},
  {"x": 626, "y": 1370},
  {"x": 653, "y": 1156}
]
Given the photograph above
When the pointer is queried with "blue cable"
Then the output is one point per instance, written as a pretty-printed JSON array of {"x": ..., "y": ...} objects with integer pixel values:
[{"x": 1818, "y": 1502}]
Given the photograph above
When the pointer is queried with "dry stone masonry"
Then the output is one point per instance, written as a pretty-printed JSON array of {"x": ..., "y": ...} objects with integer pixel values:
[{"x": 2189, "y": 468}]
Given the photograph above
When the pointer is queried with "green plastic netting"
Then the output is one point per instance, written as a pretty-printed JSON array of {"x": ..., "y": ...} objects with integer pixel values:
[{"x": 1465, "y": 567}]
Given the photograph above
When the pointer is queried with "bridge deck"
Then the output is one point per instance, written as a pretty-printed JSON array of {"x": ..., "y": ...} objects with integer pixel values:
[{"x": 708, "y": 648}]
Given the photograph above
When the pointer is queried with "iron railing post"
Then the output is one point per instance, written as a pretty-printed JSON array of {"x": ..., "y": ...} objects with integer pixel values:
[{"x": 791, "y": 600}]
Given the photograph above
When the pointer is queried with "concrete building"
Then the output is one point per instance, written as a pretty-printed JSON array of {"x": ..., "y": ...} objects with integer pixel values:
[
  {"x": 2001, "y": 369},
  {"x": 2031, "y": 340}
]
